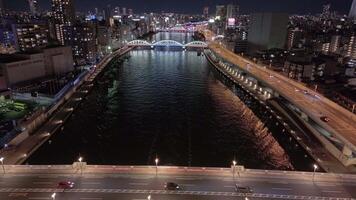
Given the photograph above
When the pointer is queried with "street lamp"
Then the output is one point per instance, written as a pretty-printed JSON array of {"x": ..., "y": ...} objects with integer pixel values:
[
  {"x": 233, "y": 169},
  {"x": 80, "y": 159},
  {"x": 315, "y": 168},
  {"x": 2, "y": 164},
  {"x": 53, "y": 196},
  {"x": 353, "y": 108},
  {"x": 149, "y": 197},
  {"x": 156, "y": 161}
]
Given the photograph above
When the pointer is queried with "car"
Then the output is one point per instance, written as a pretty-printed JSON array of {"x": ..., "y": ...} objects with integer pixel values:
[
  {"x": 172, "y": 186},
  {"x": 66, "y": 185},
  {"x": 243, "y": 189},
  {"x": 324, "y": 119}
]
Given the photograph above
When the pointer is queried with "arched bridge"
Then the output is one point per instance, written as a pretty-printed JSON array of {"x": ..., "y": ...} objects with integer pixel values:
[{"x": 166, "y": 43}]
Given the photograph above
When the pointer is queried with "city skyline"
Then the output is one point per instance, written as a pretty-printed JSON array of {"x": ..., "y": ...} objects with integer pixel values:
[{"x": 196, "y": 7}]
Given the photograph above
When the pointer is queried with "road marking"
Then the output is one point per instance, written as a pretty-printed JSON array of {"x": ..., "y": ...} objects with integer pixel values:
[
  {"x": 187, "y": 185},
  {"x": 39, "y": 198},
  {"x": 279, "y": 182},
  {"x": 91, "y": 183},
  {"x": 281, "y": 188},
  {"x": 91, "y": 198},
  {"x": 229, "y": 186},
  {"x": 327, "y": 184},
  {"x": 332, "y": 191},
  {"x": 138, "y": 183},
  {"x": 187, "y": 179},
  {"x": 42, "y": 183}
]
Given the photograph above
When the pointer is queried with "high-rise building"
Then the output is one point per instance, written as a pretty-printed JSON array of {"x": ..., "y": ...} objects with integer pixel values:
[
  {"x": 206, "y": 12},
  {"x": 124, "y": 11},
  {"x": 2, "y": 6},
  {"x": 351, "y": 49},
  {"x": 220, "y": 11},
  {"x": 352, "y": 13},
  {"x": 232, "y": 11},
  {"x": 30, "y": 36},
  {"x": 335, "y": 43},
  {"x": 81, "y": 37},
  {"x": 267, "y": 30},
  {"x": 326, "y": 11},
  {"x": 64, "y": 15},
  {"x": 294, "y": 36},
  {"x": 34, "y": 7}
]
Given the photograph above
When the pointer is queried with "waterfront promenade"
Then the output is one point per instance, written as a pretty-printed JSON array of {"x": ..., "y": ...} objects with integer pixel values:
[{"x": 20, "y": 153}]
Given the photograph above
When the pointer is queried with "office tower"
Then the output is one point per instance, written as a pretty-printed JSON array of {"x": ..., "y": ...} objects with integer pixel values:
[
  {"x": 206, "y": 12},
  {"x": 267, "y": 30},
  {"x": 124, "y": 11},
  {"x": 351, "y": 49},
  {"x": 2, "y": 6},
  {"x": 352, "y": 13},
  {"x": 30, "y": 36},
  {"x": 34, "y": 8},
  {"x": 64, "y": 15},
  {"x": 232, "y": 11},
  {"x": 220, "y": 11}
]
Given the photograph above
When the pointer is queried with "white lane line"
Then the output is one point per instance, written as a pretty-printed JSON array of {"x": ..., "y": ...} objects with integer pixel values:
[
  {"x": 138, "y": 183},
  {"x": 327, "y": 184},
  {"x": 91, "y": 183},
  {"x": 187, "y": 185},
  {"x": 331, "y": 191},
  {"x": 229, "y": 186},
  {"x": 44, "y": 183},
  {"x": 282, "y": 189},
  {"x": 279, "y": 182},
  {"x": 187, "y": 179},
  {"x": 39, "y": 198}
]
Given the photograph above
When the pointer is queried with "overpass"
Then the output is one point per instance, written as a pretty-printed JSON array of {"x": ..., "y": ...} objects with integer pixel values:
[
  {"x": 98, "y": 182},
  {"x": 166, "y": 43},
  {"x": 338, "y": 135}
]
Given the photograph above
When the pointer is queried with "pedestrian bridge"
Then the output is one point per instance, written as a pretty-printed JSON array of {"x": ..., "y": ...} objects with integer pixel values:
[{"x": 167, "y": 43}]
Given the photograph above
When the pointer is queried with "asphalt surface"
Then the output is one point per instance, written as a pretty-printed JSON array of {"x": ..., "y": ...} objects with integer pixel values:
[{"x": 139, "y": 186}]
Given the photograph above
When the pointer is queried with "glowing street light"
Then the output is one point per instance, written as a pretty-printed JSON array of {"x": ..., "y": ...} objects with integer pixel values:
[
  {"x": 149, "y": 197},
  {"x": 80, "y": 159},
  {"x": 315, "y": 168},
  {"x": 233, "y": 168},
  {"x": 53, "y": 196},
  {"x": 2, "y": 164},
  {"x": 156, "y": 161}
]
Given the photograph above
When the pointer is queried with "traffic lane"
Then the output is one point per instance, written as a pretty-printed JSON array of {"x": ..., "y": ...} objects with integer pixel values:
[
  {"x": 112, "y": 196},
  {"x": 342, "y": 121},
  {"x": 191, "y": 184}
]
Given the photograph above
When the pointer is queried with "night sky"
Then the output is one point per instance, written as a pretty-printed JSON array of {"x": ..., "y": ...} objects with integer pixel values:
[{"x": 195, "y": 6}]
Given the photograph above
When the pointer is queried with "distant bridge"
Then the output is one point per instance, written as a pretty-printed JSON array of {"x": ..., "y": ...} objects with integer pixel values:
[{"x": 167, "y": 43}]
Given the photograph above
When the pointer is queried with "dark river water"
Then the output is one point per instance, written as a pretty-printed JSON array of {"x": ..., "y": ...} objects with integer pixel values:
[{"x": 169, "y": 104}]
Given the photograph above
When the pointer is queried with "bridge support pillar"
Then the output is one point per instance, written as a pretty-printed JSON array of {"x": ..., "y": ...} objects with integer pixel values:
[{"x": 347, "y": 151}]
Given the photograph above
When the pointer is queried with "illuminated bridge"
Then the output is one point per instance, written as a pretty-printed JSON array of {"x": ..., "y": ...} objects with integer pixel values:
[{"x": 167, "y": 43}]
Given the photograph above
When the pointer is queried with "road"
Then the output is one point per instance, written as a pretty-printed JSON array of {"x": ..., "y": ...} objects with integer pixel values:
[
  {"x": 198, "y": 183},
  {"x": 342, "y": 122}
]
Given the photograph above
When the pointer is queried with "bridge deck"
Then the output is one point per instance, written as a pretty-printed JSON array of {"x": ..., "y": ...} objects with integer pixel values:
[{"x": 342, "y": 122}]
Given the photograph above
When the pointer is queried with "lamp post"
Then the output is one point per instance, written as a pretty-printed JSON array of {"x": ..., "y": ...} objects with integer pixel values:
[
  {"x": 233, "y": 168},
  {"x": 156, "y": 161},
  {"x": 149, "y": 197},
  {"x": 53, "y": 196},
  {"x": 315, "y": 168},
  {"x": 353, "y": 108},
  {"x": 2, "y": 164},
  {"x": 80, "y": 159}
]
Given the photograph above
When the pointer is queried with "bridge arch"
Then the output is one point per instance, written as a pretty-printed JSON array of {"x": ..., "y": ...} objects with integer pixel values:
[
  {"x": 168, "y": 43},
  {"x": 199, "y": 44},
  {"x": 138, "y": 43}
]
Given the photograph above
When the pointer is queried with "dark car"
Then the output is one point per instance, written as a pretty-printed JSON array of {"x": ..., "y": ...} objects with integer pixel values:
[
  {"x": 324, "y": 119},
  {"x": 172, "y": 186},
  {"x": 243, "y": 189},
  {"x": 66, "y": 185}
]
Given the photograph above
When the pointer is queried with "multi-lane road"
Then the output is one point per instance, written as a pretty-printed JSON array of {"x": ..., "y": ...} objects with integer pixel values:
[
  {"x": 98, "y": 183},
  {"x": 342, "y": 122}
]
